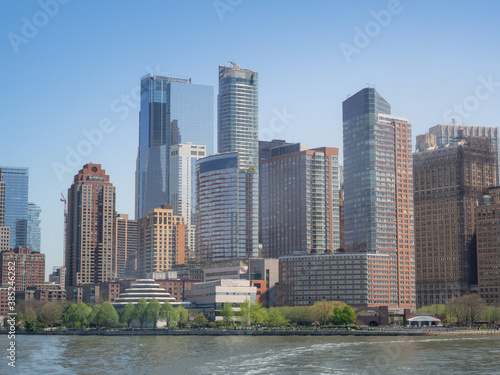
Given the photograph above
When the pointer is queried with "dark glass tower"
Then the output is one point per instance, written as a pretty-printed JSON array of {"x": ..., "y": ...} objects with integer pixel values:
[
  {"x": 173, "y": 110},
  {"x": 16, "y": 204}
]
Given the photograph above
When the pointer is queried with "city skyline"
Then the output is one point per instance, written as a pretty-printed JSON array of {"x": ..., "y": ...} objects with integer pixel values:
[{"x": 450, "y": 70}]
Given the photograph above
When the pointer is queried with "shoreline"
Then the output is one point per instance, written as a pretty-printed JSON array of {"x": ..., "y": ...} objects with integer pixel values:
[{"x": 202, "y": 332}]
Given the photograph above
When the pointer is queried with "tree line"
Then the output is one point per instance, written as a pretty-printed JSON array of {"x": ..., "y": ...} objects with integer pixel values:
[
  {"x": 466, "y": 310},
  {"x": 104, "y": 315}
]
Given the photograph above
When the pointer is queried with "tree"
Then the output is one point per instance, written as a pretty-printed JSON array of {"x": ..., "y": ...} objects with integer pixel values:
[
  {"x": 245, "y": 313},
  {"x": 227, "y": 313},
  {"x": 341, "y": 316},
  {"x": 276, "y": 317},
  {"x": 127, "y": 314},
  {"x": 107, "y": 314},
  {"x": 494, "y": 314},
  {"x": 82, "y": 313},
  {"x": 153, "y": 311},
  {"x": 140, "y": 311},
  {"x": 468, "y": 308},
  {"x": 258, "y": 315},
  {"x": 52, "y": 313},
  {"x": 322, "y": 310},
  {"x": 169, "y": 314},
  {"x": 183, "y": 315},
  {"x": 69, "y": 317},
  {"x": 298, "y": 314},
  {"x": 92, "y": 319},
  {"x": 200, "y": 320}
]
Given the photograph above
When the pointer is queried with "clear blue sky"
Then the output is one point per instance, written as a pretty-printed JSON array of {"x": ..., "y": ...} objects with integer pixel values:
[{"x": 63, "y": 77}]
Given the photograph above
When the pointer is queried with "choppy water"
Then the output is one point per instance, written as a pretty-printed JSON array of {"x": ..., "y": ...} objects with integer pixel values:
[{"x": 253, "y": 355}]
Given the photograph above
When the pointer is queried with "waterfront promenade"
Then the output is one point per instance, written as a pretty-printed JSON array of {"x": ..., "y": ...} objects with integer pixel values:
[{"x": 268, "y": 332}]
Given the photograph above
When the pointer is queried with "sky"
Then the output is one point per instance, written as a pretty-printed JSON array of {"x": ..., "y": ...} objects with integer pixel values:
[{"x": 71, "y": 70}]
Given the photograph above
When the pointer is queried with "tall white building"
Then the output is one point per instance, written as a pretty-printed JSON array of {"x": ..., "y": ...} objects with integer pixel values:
[{"x": 183, "y": 186}]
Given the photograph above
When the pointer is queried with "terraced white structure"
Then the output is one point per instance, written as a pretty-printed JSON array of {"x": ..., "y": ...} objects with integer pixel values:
[{"x": 143, "y": 288}]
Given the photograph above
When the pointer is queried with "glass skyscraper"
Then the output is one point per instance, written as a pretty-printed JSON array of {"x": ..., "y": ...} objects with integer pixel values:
[
  {"x": 173, "y": 111},
  {"x": 227, "y": 209},
  {"x": 34, "y": 232},
  {"x": 378, "y": 192},
  {"x": 16, "y": 204},
  {"x": 238, "y": 114}
]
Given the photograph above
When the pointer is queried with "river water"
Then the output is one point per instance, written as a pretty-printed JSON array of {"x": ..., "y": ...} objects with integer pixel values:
[{"x": 254, "y": 355}]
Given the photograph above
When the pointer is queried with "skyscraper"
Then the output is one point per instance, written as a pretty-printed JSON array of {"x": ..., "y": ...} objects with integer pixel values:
[
  {"x": 90, "y": 229},
  {"x": 227, "y": 208},
  {"x": 378, "y": 189},
  {"x": 125, "y": 246},
  {"x": 183, "y": 159},
  {"x": 161, "y": 241},
  {"x": 34, "y": 231},
  {"x": 4, "y": 231},
  {"x": 300, "y": 202},
  {"x": 449, "y": 185},
  {"x": 488, "y": 246},
  {"x": 446, "y": 134},
  {"x": 238, "y": 114},
  {"x": 16, "y": 204},
  {"x": 173, "y": 110}
]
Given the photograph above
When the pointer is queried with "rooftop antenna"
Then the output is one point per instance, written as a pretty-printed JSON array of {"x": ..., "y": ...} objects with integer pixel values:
[
  {"x": 453, "y": 121},
  {"x": 234, "y": 64}
]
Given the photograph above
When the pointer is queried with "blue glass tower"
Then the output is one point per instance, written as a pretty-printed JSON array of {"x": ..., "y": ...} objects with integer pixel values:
[
  {"x": 173, "y": 111},
  {"x": 34, "y": 232},
  {"x": 16, "y": 204}
]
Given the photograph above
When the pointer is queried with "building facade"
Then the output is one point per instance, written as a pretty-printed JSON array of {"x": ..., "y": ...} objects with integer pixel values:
[
  {"x": 173, "y": 111},
  {"x": 161, "y": 241},
  {"x": 449, "y": 183},
  {"x": 16, "y": 204},
  {"x": 451, "y": 134},
  {"x": 29, "y": 268},
  {"x": 358, "y": 279},
  {"x": 33, "y": 227},
  {"x": 488, "y": 247},
  {"x": 209, "y": 297},
  {"x": 300, "y": 202},
  {"x": 90, "y": 228},
  {"x": 378, "y": 186},
  {"x": 183, "y": 159},
  {"x": 227, "y": 209},
  {"x": 238, "y": 114},
  {"x": 125, "y": 246}
]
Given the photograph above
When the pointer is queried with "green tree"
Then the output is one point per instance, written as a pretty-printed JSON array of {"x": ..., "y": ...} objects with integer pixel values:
[
  {"x": 153, "y": 311},
  {"x": 298, "y": 314},
  {"x": 127, "y": 314},
  {"x": 107, "y": 314},
  {"x": 258, "y": 314},
  {"x": 69, "y": 317},
  {"x": 276, "y": 317},
  {"x": 227, "y": 313},
  {"x": 322, "y": 311},
  {"x": 245, "y": 313},
  {"x": 82, "y": 313},
  {"x": 52, "y": 313},
  {"x": 92, "y": 319},
  {"x": 200, "y": 320},
  {"x": 183, "y": 315},
  {"x": 169, "y": 314},
  {"x": 140, "y": 311},
  {"x": 348, "y": 315}
]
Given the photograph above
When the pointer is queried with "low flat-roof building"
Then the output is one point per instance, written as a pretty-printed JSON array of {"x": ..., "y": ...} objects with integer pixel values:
[{"x": 209, "y": 297}]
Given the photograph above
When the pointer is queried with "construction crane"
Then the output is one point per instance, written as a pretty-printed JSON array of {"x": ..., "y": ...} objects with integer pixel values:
[
  {"x": 234, "y": 64},
  {"x": 63, "y": 199}
]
